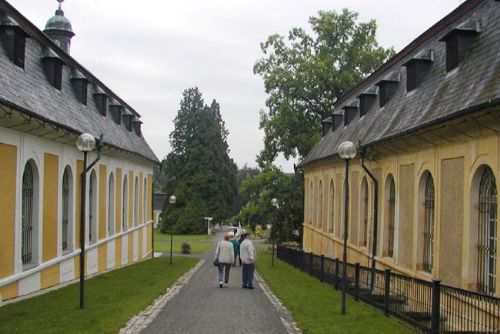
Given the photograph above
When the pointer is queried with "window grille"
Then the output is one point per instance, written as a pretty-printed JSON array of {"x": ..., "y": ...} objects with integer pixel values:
[
  {"x": 365, "y": 214},
  {"x": 331, "y": 204},
  {"x": 27, "y": 215},
  {"x": 124, "y": 205},
  {"x": 487, "y": 232},
  {"x": 429, "y": 224},
  {"x": 91, "y": 209},
  {"x": 111, "y": 205},
  {"x": 392, "y": 216},
  {"x": 320, "y": 209},
  {"x": 65, "y": 210},
  {"x": 136, "y": 203}
]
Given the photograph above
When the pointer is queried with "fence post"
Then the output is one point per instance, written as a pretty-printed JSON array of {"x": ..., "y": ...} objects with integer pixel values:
[
  {"x": 336, "y": 278},
  {"x": 322, "y": 268},
  {"x": 311, "y": 267},
  {"x": 356, "y": 281},
  {"x": 387, "y": 291},
  {"x": 436, "y": 303}
]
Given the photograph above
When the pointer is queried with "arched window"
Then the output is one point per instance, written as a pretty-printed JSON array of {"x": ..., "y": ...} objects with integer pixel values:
[
  {"x": 145, "y": 202},
  {"x": 428, "y": 232},
  {"x": 487, "y": 231},
  {"x": 92, "y": 230},
  {"x": 67, "y": 209},
  {"x": 331, "y": 198},
  {"x": 136, "y": 202},
  {"x": 125, "y": 204},
  {"x": 320, "y": 206},
  {"x": 111, "y": 205},
  {"x": 29, "y": 224},
  {"x": 390, "y": 216},
  {"x": 363, "y": 235},
  {"x": 311, "y": 202}
]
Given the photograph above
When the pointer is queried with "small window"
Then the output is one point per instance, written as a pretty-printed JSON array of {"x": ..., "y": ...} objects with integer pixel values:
[
  {"x": 53, "y": 71},
  {"x": 137, "y": 127},
  {"x": 363, "y": 240},
  {"x": 116, "y": 113},
  {"x": 80, "y": 87},
  {"x": 458, "y": 43},
  {"x": 429, "y": 216},
  {"x": 365, "y": 102},
  {"x": 28, "y": 217},
  {"x": 101, "y": 103},
  {"x": 387, "y": 89},
  {"x": 349, "y": 114},
  {"x": 14, "y": 42},
  {"x": 144, "y": 201},
  {"x": 390, "y": 215},
  {"x": 326, "y": 126},
  {"x": 127, "y": 119}
]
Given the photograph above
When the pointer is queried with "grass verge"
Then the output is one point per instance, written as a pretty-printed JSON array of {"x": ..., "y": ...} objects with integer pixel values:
[
  {"x": 315, "y": 306},
  {"x": 199, "y": 243},
  {"x": 111, "y": 300},
  {"x": 196, "y": 246}
]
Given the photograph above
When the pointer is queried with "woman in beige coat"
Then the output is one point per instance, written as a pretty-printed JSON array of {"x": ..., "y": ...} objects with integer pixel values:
[{"x": 225, "y": 256}]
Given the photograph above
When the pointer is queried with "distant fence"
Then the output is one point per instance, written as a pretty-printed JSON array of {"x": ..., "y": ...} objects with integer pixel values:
[{"x": 430, "y": 307}]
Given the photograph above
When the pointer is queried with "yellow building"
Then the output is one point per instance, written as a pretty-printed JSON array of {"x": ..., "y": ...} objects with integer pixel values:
[
  {"x": 47, "y": 99},
  {"x": 428, "y": 123}
]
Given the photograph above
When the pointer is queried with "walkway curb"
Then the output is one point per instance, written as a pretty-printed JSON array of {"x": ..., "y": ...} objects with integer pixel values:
[
  {"x": 284, "y": 314},
  {"x": 140, "y": 321}
]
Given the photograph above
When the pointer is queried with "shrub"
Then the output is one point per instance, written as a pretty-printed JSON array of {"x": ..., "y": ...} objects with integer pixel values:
[{"x": 185, "y": 248}]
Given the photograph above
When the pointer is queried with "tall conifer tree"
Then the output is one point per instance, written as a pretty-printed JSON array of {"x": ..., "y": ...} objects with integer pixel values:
[{"x": 198, "y": 171}]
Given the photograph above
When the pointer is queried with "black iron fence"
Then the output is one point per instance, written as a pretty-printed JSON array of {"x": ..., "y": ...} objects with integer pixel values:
[{"x": 430, "y": 307}]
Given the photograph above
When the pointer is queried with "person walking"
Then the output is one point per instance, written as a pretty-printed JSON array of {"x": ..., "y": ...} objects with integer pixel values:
[
  {"x": 236, "y": 248},
  {"x": 224, "y": 256},
  {"x": 248, "y": 257}
]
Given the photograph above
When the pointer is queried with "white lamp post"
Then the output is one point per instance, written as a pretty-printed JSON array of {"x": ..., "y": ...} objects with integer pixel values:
[
  {"x": 347, "y": 151},
  {"x": 274, "y": 203},
  {"x": 172, "y": 199},
  {"x": 85, "y": 143},
  {"x": 208, "y": 219}
]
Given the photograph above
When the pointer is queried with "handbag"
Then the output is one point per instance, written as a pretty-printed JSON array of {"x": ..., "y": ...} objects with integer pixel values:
[{"x": 216, "y": 261}]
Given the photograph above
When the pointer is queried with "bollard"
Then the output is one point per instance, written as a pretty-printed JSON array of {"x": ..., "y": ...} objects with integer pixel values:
[
  {"x": 322, "y": 268},
  {"x": 356, "y": 281},
  {"x": 336, "y": 279},
  {"x": 436, "y": 303},
  {"x": 387, "y": 291}
]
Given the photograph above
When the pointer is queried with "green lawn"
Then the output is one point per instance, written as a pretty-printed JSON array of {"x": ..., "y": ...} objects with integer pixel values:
[
  {"x": 316, "y": 306},
  {"x": 111, "y": 300},
  {"x": 199, "y": 243}
]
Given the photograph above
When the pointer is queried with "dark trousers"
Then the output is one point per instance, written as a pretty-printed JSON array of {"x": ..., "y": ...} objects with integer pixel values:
[
  {"x": 224, "y": 272},
  {"x": 248, "y": 270}
]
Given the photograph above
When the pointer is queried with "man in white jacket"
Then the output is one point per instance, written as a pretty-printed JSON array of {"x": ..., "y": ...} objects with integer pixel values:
[{"x": 248, "y": 257}]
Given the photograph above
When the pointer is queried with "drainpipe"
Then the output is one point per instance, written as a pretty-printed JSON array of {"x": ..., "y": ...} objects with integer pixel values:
[{"x": 375, "y": 215}]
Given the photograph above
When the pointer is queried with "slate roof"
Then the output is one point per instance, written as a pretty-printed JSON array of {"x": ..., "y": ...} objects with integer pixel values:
[
  {"x": 27, "y": 90},
  {"x": 474, "y": 85}
]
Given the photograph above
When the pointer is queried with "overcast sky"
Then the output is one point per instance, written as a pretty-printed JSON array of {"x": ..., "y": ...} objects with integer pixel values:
[{"x": 148, "y": 52}]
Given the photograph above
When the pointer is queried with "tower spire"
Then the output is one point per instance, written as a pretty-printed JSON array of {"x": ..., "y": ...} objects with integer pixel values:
[{"x": 59, "y": 29}]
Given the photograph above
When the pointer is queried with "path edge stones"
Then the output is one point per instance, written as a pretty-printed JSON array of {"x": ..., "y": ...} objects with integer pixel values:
[
  {"x": 283, "y": 313},
  {"x": 140, "y": 321}
]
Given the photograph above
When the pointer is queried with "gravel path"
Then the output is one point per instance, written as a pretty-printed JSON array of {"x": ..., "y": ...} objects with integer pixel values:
[{"x": 201, "y": 307}]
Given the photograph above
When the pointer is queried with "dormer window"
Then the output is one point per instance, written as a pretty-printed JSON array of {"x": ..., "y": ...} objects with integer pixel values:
[
  {"x": 337, "y": 119},
  {"x": 80, "y": 87},
  {"x": 386, "y": 88},
  {"x": 137, "y": 126},
  {"x": 116, "y": 112},
  {"x": 366, "y": 101},
  {"x": 350, "y": 112},
  {"x": 101, "y": 102},
  {"x": 127, "y": 121},
  {"x": 53, "y": 66},
  {"x": 458, "y": 43},
  {"x": 13, "y": 40},
  {"x": 417, "y": 68},
  {"x": 326, "y": 126}
]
